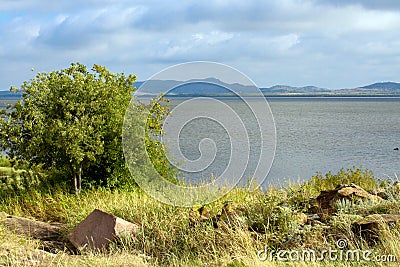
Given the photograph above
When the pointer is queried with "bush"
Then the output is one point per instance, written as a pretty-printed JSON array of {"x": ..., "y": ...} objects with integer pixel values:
[{"x": 72, "y": 120}]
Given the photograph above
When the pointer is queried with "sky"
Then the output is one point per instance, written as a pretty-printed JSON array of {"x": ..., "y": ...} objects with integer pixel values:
[{"x": 326, "y": 43}]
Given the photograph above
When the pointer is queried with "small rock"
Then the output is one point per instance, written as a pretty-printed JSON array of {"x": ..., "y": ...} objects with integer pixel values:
[
  {"x": 380, "y": 192},
  {"x": 313, "y": 217},
  {"x": 99, "y": 229}
]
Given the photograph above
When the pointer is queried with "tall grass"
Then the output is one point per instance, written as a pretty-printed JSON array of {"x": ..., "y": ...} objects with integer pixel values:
[{"x": 167, "y": 236}]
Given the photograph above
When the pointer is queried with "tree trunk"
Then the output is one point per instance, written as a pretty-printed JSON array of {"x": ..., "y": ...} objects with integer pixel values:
[
  {"x": 75, "y": 180},
  {"x": 79, "y": 182}
]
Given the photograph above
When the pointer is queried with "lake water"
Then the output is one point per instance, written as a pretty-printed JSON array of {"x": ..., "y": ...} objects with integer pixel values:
[
  {"x": 315, "y": 134},
  {"x": 312, "y": 135}
]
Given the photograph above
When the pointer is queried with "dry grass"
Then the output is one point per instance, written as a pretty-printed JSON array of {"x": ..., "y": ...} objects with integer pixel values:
[
  {"x": 167, "y": 238},
  {"x": 16, "y": 250}
]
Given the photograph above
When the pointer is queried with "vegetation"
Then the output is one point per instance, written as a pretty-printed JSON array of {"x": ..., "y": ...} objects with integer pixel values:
[
  {"x": 169, "y": 238},
  {"x": 70, "y": 121}
]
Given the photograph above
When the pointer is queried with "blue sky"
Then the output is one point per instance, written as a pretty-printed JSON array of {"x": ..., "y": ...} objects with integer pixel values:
[{"x": 333, "y": 44}]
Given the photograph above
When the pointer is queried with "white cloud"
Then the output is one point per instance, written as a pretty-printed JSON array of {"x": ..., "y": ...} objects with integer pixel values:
[
  {"x": 377, "y": 21},
  {"x": 286, "y": 42},
  {"x": 330, "y": 39},
  {"x": 212, "y": 38}
]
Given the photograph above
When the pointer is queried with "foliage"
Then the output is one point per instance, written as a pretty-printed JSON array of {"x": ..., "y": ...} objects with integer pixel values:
[
  {"x": 19, "y": 180},
  {"x": 4, "y": 162},
  {"x": 319, "y": 182},
  {"x": 15, "y": 178},
  {"x": 155, "y": 148},
  {"x": 72, "y": 120},
  {"x": 354, "y": 175},
  {"x": 16, "y": 182}
]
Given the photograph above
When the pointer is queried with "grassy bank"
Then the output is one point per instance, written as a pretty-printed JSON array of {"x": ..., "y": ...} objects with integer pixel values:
[{"x": 173, "y": 236}]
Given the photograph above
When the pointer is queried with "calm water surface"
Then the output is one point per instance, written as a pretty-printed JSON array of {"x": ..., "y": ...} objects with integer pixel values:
[{"x": 313, "y": 135}]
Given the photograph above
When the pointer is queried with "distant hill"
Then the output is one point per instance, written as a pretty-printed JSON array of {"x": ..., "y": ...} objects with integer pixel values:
[
  {"x": 8, "y": 94},
  {"x": 383, "y": 85},
  {"x": 204, "y": 87},
  {"x": 215, "y": 87},
  {"x": 381, "y": 88},
  {"x": 290, "y": 89},
  {"x": 212, "y": 86}
]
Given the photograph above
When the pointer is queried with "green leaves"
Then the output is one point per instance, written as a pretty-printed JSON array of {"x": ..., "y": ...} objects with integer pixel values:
[
  {"x": 72, "y": 120},
  {"x": 68, "y": 117}
]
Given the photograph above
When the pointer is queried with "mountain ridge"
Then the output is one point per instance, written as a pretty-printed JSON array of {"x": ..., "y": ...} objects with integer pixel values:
[{"x": 213, "y": 86}]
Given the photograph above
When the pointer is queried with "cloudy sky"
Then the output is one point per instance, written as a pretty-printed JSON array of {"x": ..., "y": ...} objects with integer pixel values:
[{"x": 333, "y": 44}]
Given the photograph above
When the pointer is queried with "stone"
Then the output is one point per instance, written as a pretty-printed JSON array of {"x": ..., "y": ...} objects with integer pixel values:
[
  {"x": 49, "y": 234},
  {"x": 381, "y": 192},
  {"x": 377, "y": 221},
  {"x": 32, "y": 228},
  {"x": 370, "y": 226},
  {"x": 356, "y": 191},
  {"x": 325, "y": 203},
  {"x": 99, "y": 229}
]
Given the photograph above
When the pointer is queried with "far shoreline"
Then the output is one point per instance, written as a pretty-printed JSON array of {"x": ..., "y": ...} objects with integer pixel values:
[{"x": 278, "y": 96}]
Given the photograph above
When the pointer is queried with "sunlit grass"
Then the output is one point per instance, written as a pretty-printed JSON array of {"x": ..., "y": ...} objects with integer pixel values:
[{"x": 168, "y": 238}]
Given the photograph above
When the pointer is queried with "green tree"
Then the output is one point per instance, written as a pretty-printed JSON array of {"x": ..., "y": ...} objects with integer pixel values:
[
  {"x": 154, "y": 147},
  {"x": 72, "y": 117}
]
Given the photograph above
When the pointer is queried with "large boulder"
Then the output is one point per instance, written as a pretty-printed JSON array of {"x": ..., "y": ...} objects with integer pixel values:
[
  {"x": 98, "y": 229},
  {"x": 325, "y": 203}
]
